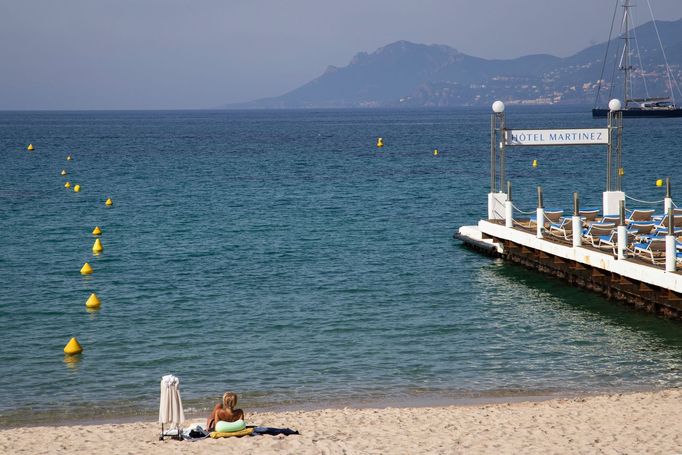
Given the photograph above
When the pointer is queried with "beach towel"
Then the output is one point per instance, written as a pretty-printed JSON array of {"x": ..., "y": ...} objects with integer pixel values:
[{"x": 240, "y": 433}]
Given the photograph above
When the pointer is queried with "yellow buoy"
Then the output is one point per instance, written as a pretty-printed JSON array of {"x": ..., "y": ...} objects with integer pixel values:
[
  {"x": 621, "y": 171},
  {"x": 67, "y": 185},
  {"x": 97, "y": 247},
  {"x": 93, "y": 302},
  {"x": 30, "y": 147},
  {"x": 535, "y": 163},
  {"x": 86, "y": 269},
  {"x": 77, "y": 188},
  {"x": 73, "y": 347},
  {"x": 435, "y": 152},
  {"x": 97, "y": 231},
  {"x": 659, "y": 182},
  {"x": 68, "y": 158},
  {"x": 63, "y": 172},
  {"x": 109, "y": 202},
  {"x": 380, "y": 142}
]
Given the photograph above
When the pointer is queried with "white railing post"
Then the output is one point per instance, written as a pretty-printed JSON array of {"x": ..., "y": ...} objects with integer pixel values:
[
  {"x": 508, "y": 221},
  {"x": 621, "y": 232},
  {"x": 577, "y": 225},
  {"x": 539, "y": 215},
  {"x": 508, "y": 209},
  {"x": 668, "y": 200},
  {"x": 670, "y": 252},
  {"x": 670, "y": 244},
  {"x": 577, "y": 231}
]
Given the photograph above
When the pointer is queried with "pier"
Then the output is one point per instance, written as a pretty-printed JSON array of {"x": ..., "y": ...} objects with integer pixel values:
[{"x": 629, "y": 256}]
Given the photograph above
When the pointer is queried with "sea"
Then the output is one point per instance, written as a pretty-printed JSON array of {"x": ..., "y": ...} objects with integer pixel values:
[{"x": 282, "y": 255}]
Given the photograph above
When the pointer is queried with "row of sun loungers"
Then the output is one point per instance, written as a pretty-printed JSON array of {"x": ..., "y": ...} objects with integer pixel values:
[
  {"x": 591, "y": 215},
  {"x": 645, "y": 231}
]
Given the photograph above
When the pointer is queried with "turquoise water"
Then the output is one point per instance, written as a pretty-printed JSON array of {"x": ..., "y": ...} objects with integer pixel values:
[{"x": 283, "y": 256}]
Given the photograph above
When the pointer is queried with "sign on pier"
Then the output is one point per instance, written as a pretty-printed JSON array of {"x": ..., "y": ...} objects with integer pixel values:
[{"x": 584, "y": 136}]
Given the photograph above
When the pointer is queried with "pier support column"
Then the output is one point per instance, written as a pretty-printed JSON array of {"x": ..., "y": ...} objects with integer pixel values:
[
  {"x": 670, "y": 253},
  {"x": 611, "y": 200},
  {"x": 508, "y": 213},
  {"x": 667, "y": 205},
  {"x": 496, "y": 203},
  {"x": 622, "y": 241}
]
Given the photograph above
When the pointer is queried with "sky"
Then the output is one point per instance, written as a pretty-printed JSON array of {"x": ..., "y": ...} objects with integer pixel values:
[{"x": 195, "y": 54}]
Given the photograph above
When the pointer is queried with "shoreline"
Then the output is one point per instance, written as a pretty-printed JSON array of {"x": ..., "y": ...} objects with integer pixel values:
[
  {"x": 636, "y": 422},
  {"x": 412, "y": 402}
]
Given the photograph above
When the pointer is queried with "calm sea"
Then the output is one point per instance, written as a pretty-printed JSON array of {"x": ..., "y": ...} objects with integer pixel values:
[{"x": 284, "y": 256}]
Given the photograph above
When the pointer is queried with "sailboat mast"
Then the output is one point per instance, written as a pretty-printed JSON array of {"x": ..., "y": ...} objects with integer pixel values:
[
  {"x": 632, "y": 106},
  {"x": 626, "y": 52}
]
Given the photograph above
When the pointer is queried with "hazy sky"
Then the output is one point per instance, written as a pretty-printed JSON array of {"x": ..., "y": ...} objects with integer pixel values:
[{"x": 120, "y": 54}]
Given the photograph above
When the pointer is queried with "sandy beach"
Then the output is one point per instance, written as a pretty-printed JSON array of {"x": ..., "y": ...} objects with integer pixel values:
[{"x": 636, "y": 423}]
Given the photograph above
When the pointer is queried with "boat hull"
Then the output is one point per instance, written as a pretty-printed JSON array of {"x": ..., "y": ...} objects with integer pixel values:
[{"x": 634, "y": 112}]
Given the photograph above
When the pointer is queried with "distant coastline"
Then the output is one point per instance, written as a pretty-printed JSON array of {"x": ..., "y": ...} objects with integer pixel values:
[
  {"x": 405, "y": 74},
  {"x": 579, "y": 107}
]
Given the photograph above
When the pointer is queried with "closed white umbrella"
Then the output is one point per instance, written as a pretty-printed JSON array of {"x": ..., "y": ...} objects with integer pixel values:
[{"x": 170, "y": 404}]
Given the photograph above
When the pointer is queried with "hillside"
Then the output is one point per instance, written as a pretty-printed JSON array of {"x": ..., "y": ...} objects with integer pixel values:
[{"x": 419, "y": 75}]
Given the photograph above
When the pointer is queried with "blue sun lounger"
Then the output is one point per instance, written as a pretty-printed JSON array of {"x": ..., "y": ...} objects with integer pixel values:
[{"x": 593, "y": 233}]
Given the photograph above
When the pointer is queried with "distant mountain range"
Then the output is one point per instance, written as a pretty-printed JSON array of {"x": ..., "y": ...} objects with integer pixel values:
[{"x": 405, "y": 74}]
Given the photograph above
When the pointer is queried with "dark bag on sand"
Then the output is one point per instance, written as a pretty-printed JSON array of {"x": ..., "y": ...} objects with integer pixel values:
[
  {"x": 198, "y": 433},
  {"x": 274, "y": 431},
  {"x": 193, "y": 434}
]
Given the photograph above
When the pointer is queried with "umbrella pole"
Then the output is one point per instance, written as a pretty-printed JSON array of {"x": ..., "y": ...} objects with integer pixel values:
[{"x": 161, "y": 437}]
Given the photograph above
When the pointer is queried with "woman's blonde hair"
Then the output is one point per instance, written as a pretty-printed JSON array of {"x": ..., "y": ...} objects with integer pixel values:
[{"x": 229, "y": 400}]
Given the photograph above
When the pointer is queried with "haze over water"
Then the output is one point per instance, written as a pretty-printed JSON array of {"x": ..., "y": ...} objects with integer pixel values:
[{"x": 283, "y": 256}]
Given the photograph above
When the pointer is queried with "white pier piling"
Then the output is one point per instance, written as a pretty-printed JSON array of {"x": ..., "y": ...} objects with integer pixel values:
[
  {"x": 577, "y": 224},
  {"x": 670, "y": 253}
]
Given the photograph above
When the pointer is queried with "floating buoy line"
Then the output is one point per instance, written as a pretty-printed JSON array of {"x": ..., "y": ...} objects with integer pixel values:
[{"x": 73, "y": 348}]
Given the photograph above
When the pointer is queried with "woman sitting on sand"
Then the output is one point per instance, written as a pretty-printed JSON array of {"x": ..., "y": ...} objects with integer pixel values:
[{"x": 225, "y": 411}]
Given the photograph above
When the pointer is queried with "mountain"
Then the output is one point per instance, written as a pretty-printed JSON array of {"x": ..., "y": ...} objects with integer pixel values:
[{"x": 419, "y": 75}]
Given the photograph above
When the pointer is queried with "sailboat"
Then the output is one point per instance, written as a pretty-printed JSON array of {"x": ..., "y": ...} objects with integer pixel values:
[{"x": 636, "y": 107}]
